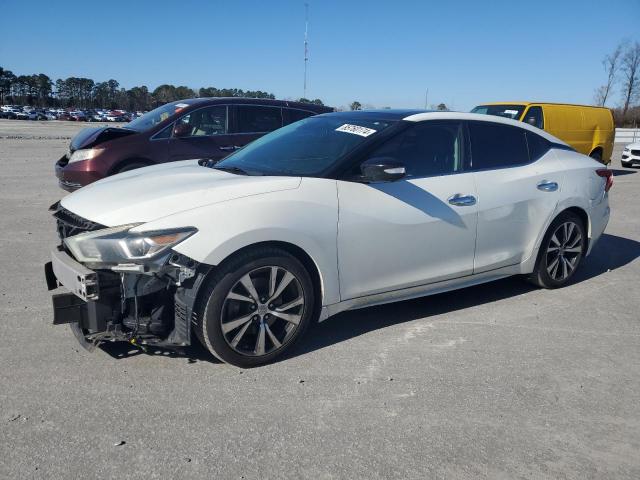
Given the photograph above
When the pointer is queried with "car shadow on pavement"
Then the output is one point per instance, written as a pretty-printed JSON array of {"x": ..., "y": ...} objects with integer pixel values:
[
  {"x": 610, "y": 253},
  {"x": 619, "y": 173},
  {"x": 193, "y": 353}
]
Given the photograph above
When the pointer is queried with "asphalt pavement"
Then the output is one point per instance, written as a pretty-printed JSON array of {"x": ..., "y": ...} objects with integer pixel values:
[{"x": 499, "y": 381}]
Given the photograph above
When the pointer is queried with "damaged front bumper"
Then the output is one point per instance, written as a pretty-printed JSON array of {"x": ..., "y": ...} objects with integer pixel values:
[{"x": 140, "y": 304}]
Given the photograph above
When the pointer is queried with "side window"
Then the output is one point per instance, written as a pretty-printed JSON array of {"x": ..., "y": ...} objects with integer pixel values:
[
  {"x": 205, "y": 122},
  {"x": 497, "y": 146},
  {"x": 291, "y": 115},
  {"x": 164, "y": 133},
  {"x": 427, "y": 149},
  {"x": 537, "y": 146},
  {"x": 534, "y": 117},
  {"x": 256, "y": 119}
]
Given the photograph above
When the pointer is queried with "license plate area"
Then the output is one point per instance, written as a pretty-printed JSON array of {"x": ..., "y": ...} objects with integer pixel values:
[{"x": 74, "y": 276}]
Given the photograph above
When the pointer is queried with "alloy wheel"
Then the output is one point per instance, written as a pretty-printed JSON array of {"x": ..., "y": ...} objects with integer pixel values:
[
  {"x": 564, "y": 251},
  {"x": 262, "y": 311}
]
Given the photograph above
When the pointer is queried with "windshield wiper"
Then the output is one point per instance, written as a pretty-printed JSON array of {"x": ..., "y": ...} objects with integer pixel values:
[{"x": 236, "y": 170}]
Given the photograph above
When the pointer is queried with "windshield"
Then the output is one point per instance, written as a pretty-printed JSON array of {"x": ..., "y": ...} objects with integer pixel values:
[
  {"x": 507, "y": 111},
  {"x": 307, "y": 147},
  {"x": 154, "y": 117}
]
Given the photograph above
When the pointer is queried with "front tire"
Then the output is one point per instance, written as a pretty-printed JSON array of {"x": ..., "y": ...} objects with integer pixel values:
[
  {"x": 255, "y": 307},
  {"x": 561, "y": 251}
]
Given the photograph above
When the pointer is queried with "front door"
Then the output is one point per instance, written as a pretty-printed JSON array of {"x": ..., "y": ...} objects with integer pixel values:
[
  {"x": 201, "y": 133},
  {"x": 414, "y": 231}
]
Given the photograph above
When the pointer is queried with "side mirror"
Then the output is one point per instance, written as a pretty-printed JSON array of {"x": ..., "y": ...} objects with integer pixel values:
[
  {"x": 382, "y": 169},
  {"x": 181, "y": 130}
]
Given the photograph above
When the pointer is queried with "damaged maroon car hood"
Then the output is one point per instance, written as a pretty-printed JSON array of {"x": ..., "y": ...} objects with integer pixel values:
[{"x": 90, "y": 137}]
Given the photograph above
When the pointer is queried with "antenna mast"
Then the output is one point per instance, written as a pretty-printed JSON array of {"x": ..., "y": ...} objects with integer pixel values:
[{"x": 306, "y": 45}]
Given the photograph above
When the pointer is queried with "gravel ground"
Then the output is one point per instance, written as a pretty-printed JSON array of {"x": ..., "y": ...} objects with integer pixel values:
[{"x": 501, "y": 381}]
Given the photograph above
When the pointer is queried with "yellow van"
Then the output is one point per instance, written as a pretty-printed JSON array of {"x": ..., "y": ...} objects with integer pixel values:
[{"x": 590, "y": 130}]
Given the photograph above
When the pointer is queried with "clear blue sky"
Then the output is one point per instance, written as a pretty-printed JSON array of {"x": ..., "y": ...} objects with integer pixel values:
[{"x": 383, "y": 53}]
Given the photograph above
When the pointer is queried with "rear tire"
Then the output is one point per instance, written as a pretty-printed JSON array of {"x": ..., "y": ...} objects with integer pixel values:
[
  {"x": 255, "y": 307},
  {"x": 561, "y": 252}
]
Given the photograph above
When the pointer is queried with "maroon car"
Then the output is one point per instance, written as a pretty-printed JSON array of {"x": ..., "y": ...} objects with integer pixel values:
[{"x": 197, "y": 128}]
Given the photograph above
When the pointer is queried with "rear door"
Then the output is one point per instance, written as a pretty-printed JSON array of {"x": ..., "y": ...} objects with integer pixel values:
[
  {"x": 248, "y": 122},
  {"x": 518, "y": 180},
  {"x": 206, "y": 135}
]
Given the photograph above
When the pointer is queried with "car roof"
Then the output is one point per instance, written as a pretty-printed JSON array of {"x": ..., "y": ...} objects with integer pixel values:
[
  {"x": 427, "y": 115},
  {"x": 312, "y": 107},
  {"x": 527, "y": 103},
  {"x": 385, "y": 114},
  {"x": 481, "y": 118}
]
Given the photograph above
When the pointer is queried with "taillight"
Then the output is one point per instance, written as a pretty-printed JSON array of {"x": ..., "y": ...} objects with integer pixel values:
[{"x": 608, "y": 174}]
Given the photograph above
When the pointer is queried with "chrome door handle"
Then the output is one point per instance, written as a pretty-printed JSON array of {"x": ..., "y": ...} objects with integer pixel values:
[
  {"x": 230, "y": 148},
  {"x": 460, "y": 200},
  {"x": 547, "y": 186}
]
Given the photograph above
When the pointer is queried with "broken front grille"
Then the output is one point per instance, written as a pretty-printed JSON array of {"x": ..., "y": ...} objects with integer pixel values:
[{"x": 70, "y": 224}]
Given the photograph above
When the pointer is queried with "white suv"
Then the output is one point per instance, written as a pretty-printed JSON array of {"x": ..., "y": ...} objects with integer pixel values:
[
  {"x": 631, "y": 155},
  {"x": 334, "y": 212}
]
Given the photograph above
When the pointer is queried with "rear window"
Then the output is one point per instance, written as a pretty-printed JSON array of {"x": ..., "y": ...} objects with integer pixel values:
[
  {"x": 293, "y": 115},
  {"x": 536, "y": 145},
  {"x": 497, "y": 146},
  {"x": 257, "y": 119}
]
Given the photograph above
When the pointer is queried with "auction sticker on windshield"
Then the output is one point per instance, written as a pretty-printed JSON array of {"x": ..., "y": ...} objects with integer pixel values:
[{"x": 356, "y": 130}]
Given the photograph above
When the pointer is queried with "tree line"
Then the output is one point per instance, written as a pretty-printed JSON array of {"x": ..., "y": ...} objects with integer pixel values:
[
  {"x": 622, "y": 69},
  {"x": 40, "y": 90}
]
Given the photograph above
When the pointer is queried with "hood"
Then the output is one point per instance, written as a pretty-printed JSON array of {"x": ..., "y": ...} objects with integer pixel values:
[
  {"x": 89, "y": 137},
  {"x": 151, "y": 193},
  {"x": 633, "y": 146}
]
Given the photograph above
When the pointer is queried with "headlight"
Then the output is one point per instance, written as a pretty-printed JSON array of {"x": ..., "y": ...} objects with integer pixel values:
[
  {"x": 85, "y": 154},
  {"x": 118, "y": 245}
]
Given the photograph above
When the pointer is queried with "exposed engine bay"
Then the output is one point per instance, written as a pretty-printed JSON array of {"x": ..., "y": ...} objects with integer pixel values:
[{"x": 150, "y": 304}]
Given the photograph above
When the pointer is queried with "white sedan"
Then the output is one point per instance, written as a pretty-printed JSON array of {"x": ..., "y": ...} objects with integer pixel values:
[{"x": 334, "y": 212}]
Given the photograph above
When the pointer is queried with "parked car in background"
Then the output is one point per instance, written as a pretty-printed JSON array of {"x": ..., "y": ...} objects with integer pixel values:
[
  {"x": 210, "y": 128},
  {"x": 22, "y": 115},
  {"x": 336, "y": 212},
  {"x": 590, "y": 130},
  {"x": 64, "y": 116},
  {"x": 9, "y": 113},
  {"x": 78, "y": 116},
  {"x": 631, "y": 155},
  {"x": 37, "y": 115}
]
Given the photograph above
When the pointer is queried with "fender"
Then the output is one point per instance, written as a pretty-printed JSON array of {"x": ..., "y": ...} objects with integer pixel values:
[{"x": 306, "y": 217}]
